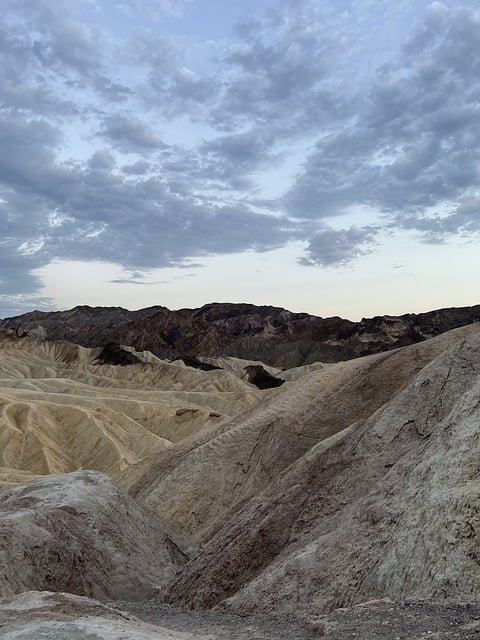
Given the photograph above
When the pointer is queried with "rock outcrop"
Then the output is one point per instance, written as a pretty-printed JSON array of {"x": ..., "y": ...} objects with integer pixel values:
[
  {"x": 257, "y": 374},
  {"x": 251, "y": 450},
  {"x": 79, "y": 533},
  {"x": 354, "y": 480},
  {"x": 113, "y": 353},
  {"x": 56, "y": 616}
]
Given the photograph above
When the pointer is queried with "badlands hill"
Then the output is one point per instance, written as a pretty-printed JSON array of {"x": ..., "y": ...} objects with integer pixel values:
[
  {"x": 270, "y": 334},
  {"x": 329, "y": 503},
  {"x": 61, "y": 410},
  {"x": 353, "y": 481}
]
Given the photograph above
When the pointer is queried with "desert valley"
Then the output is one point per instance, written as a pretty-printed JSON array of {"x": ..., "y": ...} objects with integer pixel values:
[{"x": 239, "y": 472}]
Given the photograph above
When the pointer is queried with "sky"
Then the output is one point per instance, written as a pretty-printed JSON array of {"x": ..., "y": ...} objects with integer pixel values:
[{"x": 318, "y": 155}]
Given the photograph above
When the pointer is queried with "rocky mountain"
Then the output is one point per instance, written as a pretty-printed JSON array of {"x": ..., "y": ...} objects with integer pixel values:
[{"x": 272, "y": 335}]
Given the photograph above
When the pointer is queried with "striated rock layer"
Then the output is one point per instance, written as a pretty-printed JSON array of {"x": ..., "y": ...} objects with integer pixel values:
[
  {"x": 249, "y": 452},
  {"x": 356, "y": 482}
]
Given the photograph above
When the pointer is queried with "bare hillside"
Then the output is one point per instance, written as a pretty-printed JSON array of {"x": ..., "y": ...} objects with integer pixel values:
[
  {"x": 357, "y": 481},
  {"x": 388, "y": 506},
  {"x": 198, "y": 482},
  {"x": 273, "y": 335}
]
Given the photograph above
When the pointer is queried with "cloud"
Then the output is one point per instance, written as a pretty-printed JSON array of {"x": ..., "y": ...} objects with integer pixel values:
[
  {"x": 137, "y": 282},
  {"x": 18, "y": 282},
  {"x": 130, "y": 134},
  {"x": 167, "y": 83},
  {"x": 111, "y": 90},
  {"x": 269, "y": 81},
  {"x": 50, "y": 56},
  {"x": 139, "y": 168},
  {"x": 414, "y": 144},
  {"x": 188, "y": 86},
  {"x": 154, "y": 9},
  {"x": 87, "y": 211},
  {"x": 23, "y": 83},
  {"x": 233, "y": 159},
  {"x": 62, "y": 40},
  {"x": 15, "y": 305},
  {"x": 102, "y": 161},
  {"x": 28, "y": 170},
  {"x": 331, "y": 247}
]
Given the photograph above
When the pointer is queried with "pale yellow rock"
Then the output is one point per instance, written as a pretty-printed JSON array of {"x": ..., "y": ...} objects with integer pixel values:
[{"x": 60, "y": 411}]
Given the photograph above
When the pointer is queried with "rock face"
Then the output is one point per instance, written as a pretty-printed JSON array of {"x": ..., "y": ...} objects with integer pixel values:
[
  {"x": 79, "y": 533},
  {"x": 262, "y": 379},
  {"x": 272, "y": 335},
  {"x": 358, "y": 481},
  {"x": 97, "y": 324},
  {"x": 114, "y": 354},
  {"x": 387, "y": 506}
]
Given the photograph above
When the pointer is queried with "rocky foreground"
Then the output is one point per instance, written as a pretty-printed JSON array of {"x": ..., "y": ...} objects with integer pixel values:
[
  {"x": 62, "y": 616},
  {"x": 79, "y": 533}
]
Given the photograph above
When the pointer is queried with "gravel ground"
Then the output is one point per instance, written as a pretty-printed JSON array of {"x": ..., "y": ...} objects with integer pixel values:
[
  {"x": 380, "y": 620},
  {"x": 220, "y": 626}
]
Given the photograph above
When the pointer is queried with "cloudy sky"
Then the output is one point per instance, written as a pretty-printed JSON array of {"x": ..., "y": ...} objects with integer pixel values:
[{"x": 320, "y": 155}]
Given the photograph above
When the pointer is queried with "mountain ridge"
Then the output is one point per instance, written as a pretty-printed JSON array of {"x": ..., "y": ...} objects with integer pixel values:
[{"x": 273, "y": 335}]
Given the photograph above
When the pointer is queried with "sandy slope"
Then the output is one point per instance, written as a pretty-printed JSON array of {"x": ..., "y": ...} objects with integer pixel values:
[
  {"x": 59, "y": 411},
  {"x": 237, "y": 366},
  {"x": 388, "y": 506}
]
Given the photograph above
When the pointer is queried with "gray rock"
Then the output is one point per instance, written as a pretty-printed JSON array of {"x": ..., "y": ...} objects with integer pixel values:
[{"x": 79, "y": 533}]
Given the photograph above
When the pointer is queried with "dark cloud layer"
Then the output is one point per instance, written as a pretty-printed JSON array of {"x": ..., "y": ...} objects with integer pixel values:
[{"x": 91, "y": 167}]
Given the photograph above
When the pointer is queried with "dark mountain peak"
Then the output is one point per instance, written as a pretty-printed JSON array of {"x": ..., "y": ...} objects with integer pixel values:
[{"x": 273, "y": 335}]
